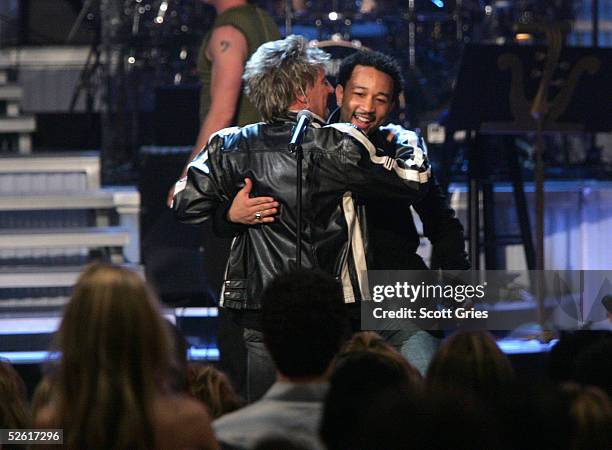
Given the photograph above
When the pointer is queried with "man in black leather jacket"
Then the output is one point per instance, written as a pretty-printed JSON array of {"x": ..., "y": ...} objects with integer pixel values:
[{"x": 283, "y": 77}]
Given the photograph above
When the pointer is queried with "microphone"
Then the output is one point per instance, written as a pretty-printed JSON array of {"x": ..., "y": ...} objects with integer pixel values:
[{"x": 304, "y": 117}]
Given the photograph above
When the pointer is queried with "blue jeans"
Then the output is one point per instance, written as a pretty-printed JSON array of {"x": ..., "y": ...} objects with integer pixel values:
[
  {"x": 261, "y": 371},
  {"x": 416, "y": 345}
]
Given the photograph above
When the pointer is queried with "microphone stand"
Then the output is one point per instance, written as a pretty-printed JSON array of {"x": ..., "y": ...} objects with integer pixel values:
[
  {"x": 299, "y": 157},
  {"x": 304, "y": 119}
]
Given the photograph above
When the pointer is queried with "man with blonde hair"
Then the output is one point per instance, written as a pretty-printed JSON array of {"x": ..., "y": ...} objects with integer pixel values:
[{"x": 282, "y": 78}]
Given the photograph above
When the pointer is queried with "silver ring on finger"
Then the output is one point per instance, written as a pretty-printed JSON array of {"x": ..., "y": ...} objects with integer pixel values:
[{"x": 258, "y": 215}]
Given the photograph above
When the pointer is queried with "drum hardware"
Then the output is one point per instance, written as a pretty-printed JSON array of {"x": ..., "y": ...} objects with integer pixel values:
[{"x": 338, "y": 49}]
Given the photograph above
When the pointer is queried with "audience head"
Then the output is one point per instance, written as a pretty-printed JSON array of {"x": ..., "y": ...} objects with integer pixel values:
[
  {"x": 584, "y": 357},
  {"x": 470, "y": 361},
  {"x": 372, "y": 342},
  {"x": 13, "y": 398},
  {"x": 359, "y": 380},
  {"x": 565, "y": 355},
  {"x": 214, "y": 389},
  {"x": 373, "y": 404},
  {"x": 282, "y": 71},
  {"x": 304, "y": 322},
  {"x": 116, "y": 357},
  {"x": 591, "y": 414},
  {"x": 112, "y": 327}
]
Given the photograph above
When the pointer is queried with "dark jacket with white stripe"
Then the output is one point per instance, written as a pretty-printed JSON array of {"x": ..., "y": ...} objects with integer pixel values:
[
  {"x": 338, "y": 160},
  {"x": 392, "y": 236}
]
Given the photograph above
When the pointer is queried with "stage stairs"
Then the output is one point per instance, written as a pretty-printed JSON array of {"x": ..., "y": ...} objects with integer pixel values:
[{"x": 55, "y": 218}]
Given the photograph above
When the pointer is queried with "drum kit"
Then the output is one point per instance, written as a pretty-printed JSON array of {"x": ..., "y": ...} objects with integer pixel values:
[
  {"x": 168, "y": 32},
  {"x": 165, "y": 34},
  {"x": 159, "y": 39}
]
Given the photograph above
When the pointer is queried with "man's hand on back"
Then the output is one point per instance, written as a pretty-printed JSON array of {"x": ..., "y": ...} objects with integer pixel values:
[{"x": 249, "y": 210}]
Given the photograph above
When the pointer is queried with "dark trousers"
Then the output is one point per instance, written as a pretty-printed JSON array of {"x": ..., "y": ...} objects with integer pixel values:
[
  {"x": 229, "y": 334},
  {"x": 261, "y": 372}
]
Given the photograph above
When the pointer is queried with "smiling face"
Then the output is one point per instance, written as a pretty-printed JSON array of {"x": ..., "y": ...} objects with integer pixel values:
[{"x": 367, "y": 98}]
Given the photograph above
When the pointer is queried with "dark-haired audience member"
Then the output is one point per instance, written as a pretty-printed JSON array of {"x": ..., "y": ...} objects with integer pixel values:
[
  {"x": 359, "y": 380},
  {"x": 213, "y": 388},
  {"x": 112, "y": 389},
  {"x": 14, "y": 413},
  {"x": 591, "y": 413},
  {"x": 533, "y": 416},
  {"x": 565, "y": 355},
  {"x": 373, "y": 405},
  {"x": 471, "y": 361},
  {"x": 370, "y": 341},
  {"x": 304, "y": 324}
]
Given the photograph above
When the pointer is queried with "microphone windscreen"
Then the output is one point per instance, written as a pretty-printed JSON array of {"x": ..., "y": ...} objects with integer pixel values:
[{"x": 306, "y": 114}]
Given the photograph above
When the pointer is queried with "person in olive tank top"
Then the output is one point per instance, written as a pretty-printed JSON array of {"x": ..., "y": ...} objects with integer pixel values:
[
  {"x": 257, "y": 27},
  {"x": 238, "y": 30}
]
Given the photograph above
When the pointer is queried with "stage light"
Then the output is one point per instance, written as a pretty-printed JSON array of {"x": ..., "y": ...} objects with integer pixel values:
[
  {"x": 163, "y": 7},
  {"x": 523, "y": 37}
]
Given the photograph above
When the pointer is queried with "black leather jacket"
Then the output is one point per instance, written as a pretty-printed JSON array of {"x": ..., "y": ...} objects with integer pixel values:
[{"x": 338, "y": 160}]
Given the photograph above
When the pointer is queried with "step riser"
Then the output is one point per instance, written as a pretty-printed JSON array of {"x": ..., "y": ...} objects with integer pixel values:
[
  {"x": 65, "y": 238},
  {"x": 17, "y": 125},
  {"x": 73, "y": 173}
]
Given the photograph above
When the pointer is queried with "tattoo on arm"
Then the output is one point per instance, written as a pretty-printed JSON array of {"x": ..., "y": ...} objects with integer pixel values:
[{"x": 224, "y": 46}]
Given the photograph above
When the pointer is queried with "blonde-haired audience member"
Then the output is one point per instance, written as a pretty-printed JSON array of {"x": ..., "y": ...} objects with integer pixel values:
[
  {"x": 470, "y": 361},
  {"x": 111, "y": 389},
  {"x": 213, "y": 388},
  {"x": 14, "y": 412},
  {"x": 370, "y": 341},
  {"x": 591, "y": 414}
]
